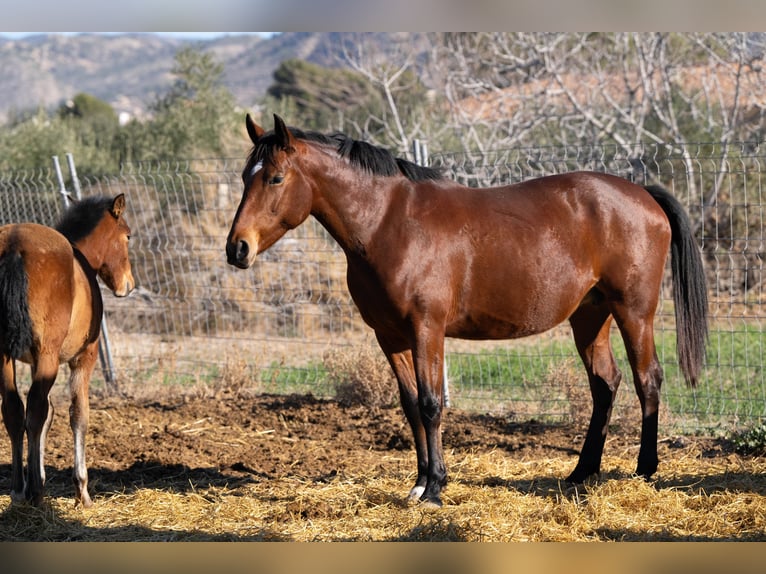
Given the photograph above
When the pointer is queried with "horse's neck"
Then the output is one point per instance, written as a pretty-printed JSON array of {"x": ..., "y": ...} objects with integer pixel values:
[
  {"x": 347, "y": 202},
  {"x": 351, "y": 214}
]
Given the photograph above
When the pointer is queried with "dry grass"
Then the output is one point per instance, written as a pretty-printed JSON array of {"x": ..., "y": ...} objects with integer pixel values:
[{"x": 491, "y": 497}]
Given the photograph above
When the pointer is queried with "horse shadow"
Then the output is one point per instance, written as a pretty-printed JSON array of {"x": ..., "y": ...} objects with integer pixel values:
[
  {"x": 141, "y": 475},
  {"x": 546, "y": 486},
  {"x": 46, "y": 523}
]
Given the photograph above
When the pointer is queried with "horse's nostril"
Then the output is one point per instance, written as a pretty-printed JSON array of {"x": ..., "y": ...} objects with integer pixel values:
[
  {"x": 237, "y": 253},
  {"x": 242, "y": 250}
]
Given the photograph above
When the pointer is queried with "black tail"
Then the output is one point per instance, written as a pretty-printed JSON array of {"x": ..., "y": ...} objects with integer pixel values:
[
  {"x": 689, "y": 290},
  {"x": 15, "y": 323}
]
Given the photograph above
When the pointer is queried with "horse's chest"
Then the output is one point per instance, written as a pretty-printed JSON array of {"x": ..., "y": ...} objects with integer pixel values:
[{"x": 373, "y": 296}]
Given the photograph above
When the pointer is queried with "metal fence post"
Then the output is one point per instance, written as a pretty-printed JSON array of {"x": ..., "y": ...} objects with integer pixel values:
[{"x": 104, "y": 349}]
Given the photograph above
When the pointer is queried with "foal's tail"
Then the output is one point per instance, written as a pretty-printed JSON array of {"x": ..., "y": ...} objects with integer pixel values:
[
  {"x": 15, "y": 322},
  {"x": 689, "y": 291}
]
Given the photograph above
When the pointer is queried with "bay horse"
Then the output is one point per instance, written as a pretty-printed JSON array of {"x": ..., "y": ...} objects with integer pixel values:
[
  {"x": 50, "y": 314},
  {"x": 429, "y": 258}
]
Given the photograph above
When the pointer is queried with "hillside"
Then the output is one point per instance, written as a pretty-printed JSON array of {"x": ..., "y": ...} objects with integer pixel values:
[{"x": 130, "y": 70}]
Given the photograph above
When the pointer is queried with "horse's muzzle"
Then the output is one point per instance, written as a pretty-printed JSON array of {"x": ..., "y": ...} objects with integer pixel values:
[
  {"x": 126, "y": 289},
  {"x": 238, "y": 254}
]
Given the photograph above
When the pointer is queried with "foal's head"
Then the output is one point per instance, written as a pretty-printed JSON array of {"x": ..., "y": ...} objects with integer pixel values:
[{"x": 97, "y": 228}]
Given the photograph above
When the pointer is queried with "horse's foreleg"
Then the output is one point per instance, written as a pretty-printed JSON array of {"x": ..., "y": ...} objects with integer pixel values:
[
  {"x": 13, "y": 417},
  {"x": 39, "y": 417},
  {"x": 590, "y": 327},
  {"x": 429, "y": 369},
  {"x": 81, "y": 369},
  {"x": 404, "y": 370}
]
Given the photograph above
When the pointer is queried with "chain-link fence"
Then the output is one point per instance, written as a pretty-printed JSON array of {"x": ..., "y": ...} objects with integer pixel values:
[{"x": 196, "y": 320}]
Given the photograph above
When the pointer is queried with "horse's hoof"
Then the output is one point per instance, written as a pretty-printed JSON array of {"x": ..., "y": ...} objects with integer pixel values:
[
  {"x": 646, "y": 471},
  {"x": 416, "y": 493},
  {"x": 579, "y": 476}
]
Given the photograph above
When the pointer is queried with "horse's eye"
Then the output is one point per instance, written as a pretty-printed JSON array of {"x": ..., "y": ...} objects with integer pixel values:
[{"x": 276, "y": 180}]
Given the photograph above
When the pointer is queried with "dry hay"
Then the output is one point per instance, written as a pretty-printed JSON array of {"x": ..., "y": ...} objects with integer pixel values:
[
  {"x": 299, "y": 489},
  {"x": 479, "y": 506}
]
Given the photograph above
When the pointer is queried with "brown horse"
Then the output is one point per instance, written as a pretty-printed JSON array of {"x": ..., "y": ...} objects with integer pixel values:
[
  {"x": 429, "y": 258},
  {"x": 50, "y": 313}
]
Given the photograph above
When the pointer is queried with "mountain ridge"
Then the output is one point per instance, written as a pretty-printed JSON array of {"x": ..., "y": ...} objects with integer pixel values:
[{"x": 129, "y": 71}]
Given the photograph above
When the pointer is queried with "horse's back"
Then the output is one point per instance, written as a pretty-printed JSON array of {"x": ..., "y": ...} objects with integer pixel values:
[
  {"x": 34, "y": 239},
  {"x": 587, "y": 190},
  {"x": 590, "y": 201}
]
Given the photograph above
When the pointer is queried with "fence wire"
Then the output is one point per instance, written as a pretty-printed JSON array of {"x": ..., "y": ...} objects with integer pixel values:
[{"x": 196, "y": 320}]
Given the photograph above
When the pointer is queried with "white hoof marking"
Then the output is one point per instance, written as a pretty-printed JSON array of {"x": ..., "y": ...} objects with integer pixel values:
[{"x": 416, "y": 492}]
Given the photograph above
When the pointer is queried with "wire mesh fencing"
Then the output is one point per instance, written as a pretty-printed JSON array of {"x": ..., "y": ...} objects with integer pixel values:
[{"x": 194, "y": 320}]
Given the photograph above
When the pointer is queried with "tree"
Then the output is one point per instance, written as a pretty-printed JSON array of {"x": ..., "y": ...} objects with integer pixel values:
[
  {"x": 94, "y": 126},
  {"x": 624, "y": 88},
  {"x": 410, "y": 109},
  {"x": 321, "y": 97},
  {"x": 84, "y": 126},
  {"x": 381, "y": 100},
  {"x": 196, "y": 116}
]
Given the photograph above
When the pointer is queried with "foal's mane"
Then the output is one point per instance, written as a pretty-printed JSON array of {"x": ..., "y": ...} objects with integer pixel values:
[
  {"x": 81, "y": 218},
  {"x": 372, "y": 159}
]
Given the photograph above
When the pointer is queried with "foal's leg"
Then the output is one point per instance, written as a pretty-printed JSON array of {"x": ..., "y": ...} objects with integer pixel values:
[
  {"x": 590, "y": 326},
  {"x": 13, "y": 417},
  {"x": 401, "y": 363},
  {"x": 81, "y": 369},
  {"x": 39, "y": 417}
]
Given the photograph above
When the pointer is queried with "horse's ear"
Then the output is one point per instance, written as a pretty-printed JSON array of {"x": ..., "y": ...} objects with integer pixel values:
[
  {"x": 253, "y": 130},
  {"x": 118, "y": 205},
  {"x": 284, "y": 137}
]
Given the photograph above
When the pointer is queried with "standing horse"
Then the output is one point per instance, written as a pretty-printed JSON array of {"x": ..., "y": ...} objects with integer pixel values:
[
  {"x": 429, "y": 258},
  {"x": 50, "y": 313}
]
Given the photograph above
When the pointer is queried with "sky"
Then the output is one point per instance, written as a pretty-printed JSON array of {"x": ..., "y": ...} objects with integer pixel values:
[
  {"x": 376, "y": 15},
  {"x": 185, "y": 35}
]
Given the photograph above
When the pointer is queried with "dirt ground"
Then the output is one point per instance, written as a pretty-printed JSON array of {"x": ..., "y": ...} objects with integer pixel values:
[{"x": 206, "y": 442}]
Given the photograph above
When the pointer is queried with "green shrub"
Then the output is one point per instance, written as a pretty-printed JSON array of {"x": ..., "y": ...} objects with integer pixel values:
[{"x": 751, "y": 441}]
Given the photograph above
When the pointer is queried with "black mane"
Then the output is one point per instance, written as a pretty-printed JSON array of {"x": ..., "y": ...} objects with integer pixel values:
[
  {"x": 373, "y": 159},
  {"x": 81, "y": 218}
]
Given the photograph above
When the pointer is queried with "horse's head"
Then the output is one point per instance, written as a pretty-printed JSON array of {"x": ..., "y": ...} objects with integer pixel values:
[
  {"x": 114, "y": 233},
  {"x": 97, "y": 228},
  {"x": 276, "y": 197}
]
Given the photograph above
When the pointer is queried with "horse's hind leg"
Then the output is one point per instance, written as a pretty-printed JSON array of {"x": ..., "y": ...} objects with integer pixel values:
[
  {"x": 590, "y": 326},
  {"x": 81, "y": 369},
  {"x": 400, "y": 360},
  {"x": 38, "y": 421},
  {"x": 638, "y": 334},
  {"x": 13, "y": 417}
]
